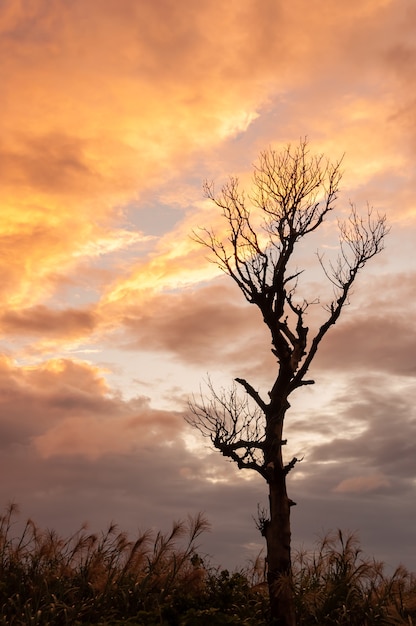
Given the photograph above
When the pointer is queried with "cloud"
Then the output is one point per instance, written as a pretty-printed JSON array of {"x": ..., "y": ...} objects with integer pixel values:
[
  {"x": 81, "y": 139},
  {"x": 91, "y": 436},
  {"x": 372, "y": 434},
  {"x": 93, "y": 122},
  {"x": 196, "y": 325},
  {"x": 362, "y": 484},
  {"x": 74, "y": 440},
  {"x": 375, "y": 335},
  {"x": 201, "y": 325},
  {"x": 75, "y": 451},
  {"x": 65, "y": 407},
  {"x": 54, "y": 163},
  {"x": 371, "y": 343},
  {"x": 40, "y": 320}
]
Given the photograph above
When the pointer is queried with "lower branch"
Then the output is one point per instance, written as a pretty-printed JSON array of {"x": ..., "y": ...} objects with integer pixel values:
[{"x": 291, "y": 464}]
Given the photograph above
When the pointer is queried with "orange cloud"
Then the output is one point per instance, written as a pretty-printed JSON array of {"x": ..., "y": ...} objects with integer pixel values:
[
  {"x": 88, "y": 121},
  {"x": 94, "y": 115},
  {"x": 363, "y": 484}
]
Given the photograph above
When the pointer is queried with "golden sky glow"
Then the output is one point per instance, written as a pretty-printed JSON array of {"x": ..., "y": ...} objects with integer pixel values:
[{"x": 113, "y": 112}]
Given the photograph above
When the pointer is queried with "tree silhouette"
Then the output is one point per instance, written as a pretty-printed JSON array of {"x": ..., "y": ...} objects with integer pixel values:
[{"x": 293, "y": 193}]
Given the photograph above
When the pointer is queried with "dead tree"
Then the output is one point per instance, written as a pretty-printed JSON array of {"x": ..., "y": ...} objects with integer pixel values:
[{"x": 293, "y": 193}]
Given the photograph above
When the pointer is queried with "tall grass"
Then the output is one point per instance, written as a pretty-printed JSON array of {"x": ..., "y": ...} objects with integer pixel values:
[
  {"x": 159, "y": 579},
  {"x": 90, "y": 578},
  {"x": 338, "y": 586}
]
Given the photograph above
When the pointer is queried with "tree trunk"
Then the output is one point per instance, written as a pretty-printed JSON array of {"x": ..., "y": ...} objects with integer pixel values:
[{"x": 278, "y": 553}]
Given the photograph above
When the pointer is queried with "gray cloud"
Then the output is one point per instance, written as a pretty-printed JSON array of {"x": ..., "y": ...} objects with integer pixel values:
[
  {"x": 145, "y": 480},
  {"x": 200, "y": 326},
  {"x": 214, "y": 324},
  {"x": 387, "y": 443}
]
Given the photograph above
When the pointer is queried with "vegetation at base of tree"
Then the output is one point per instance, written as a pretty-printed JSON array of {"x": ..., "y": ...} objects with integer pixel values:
[{"x": 160, "y": 580}]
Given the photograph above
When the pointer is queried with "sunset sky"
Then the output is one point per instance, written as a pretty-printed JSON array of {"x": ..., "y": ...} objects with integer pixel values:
[{"x": 113, "y": 113}]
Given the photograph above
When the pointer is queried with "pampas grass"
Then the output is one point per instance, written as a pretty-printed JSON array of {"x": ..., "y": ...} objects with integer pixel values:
[
  {"x": 160, "y": 579},
  {"x": 91, "y": 578},
  {"x": 337, "y": 585}
]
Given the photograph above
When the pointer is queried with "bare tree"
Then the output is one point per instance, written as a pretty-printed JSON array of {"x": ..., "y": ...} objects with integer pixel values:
[{"x": 294, "y": 192}]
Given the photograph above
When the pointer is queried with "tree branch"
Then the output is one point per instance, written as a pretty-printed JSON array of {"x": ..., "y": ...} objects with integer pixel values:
[
  {"x": 253, "y": 393},
  {"x": 289, "y": 466}
]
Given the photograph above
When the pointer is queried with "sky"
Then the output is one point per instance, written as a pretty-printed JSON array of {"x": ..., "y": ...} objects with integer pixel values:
[{"x": 113, "y": 113}]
